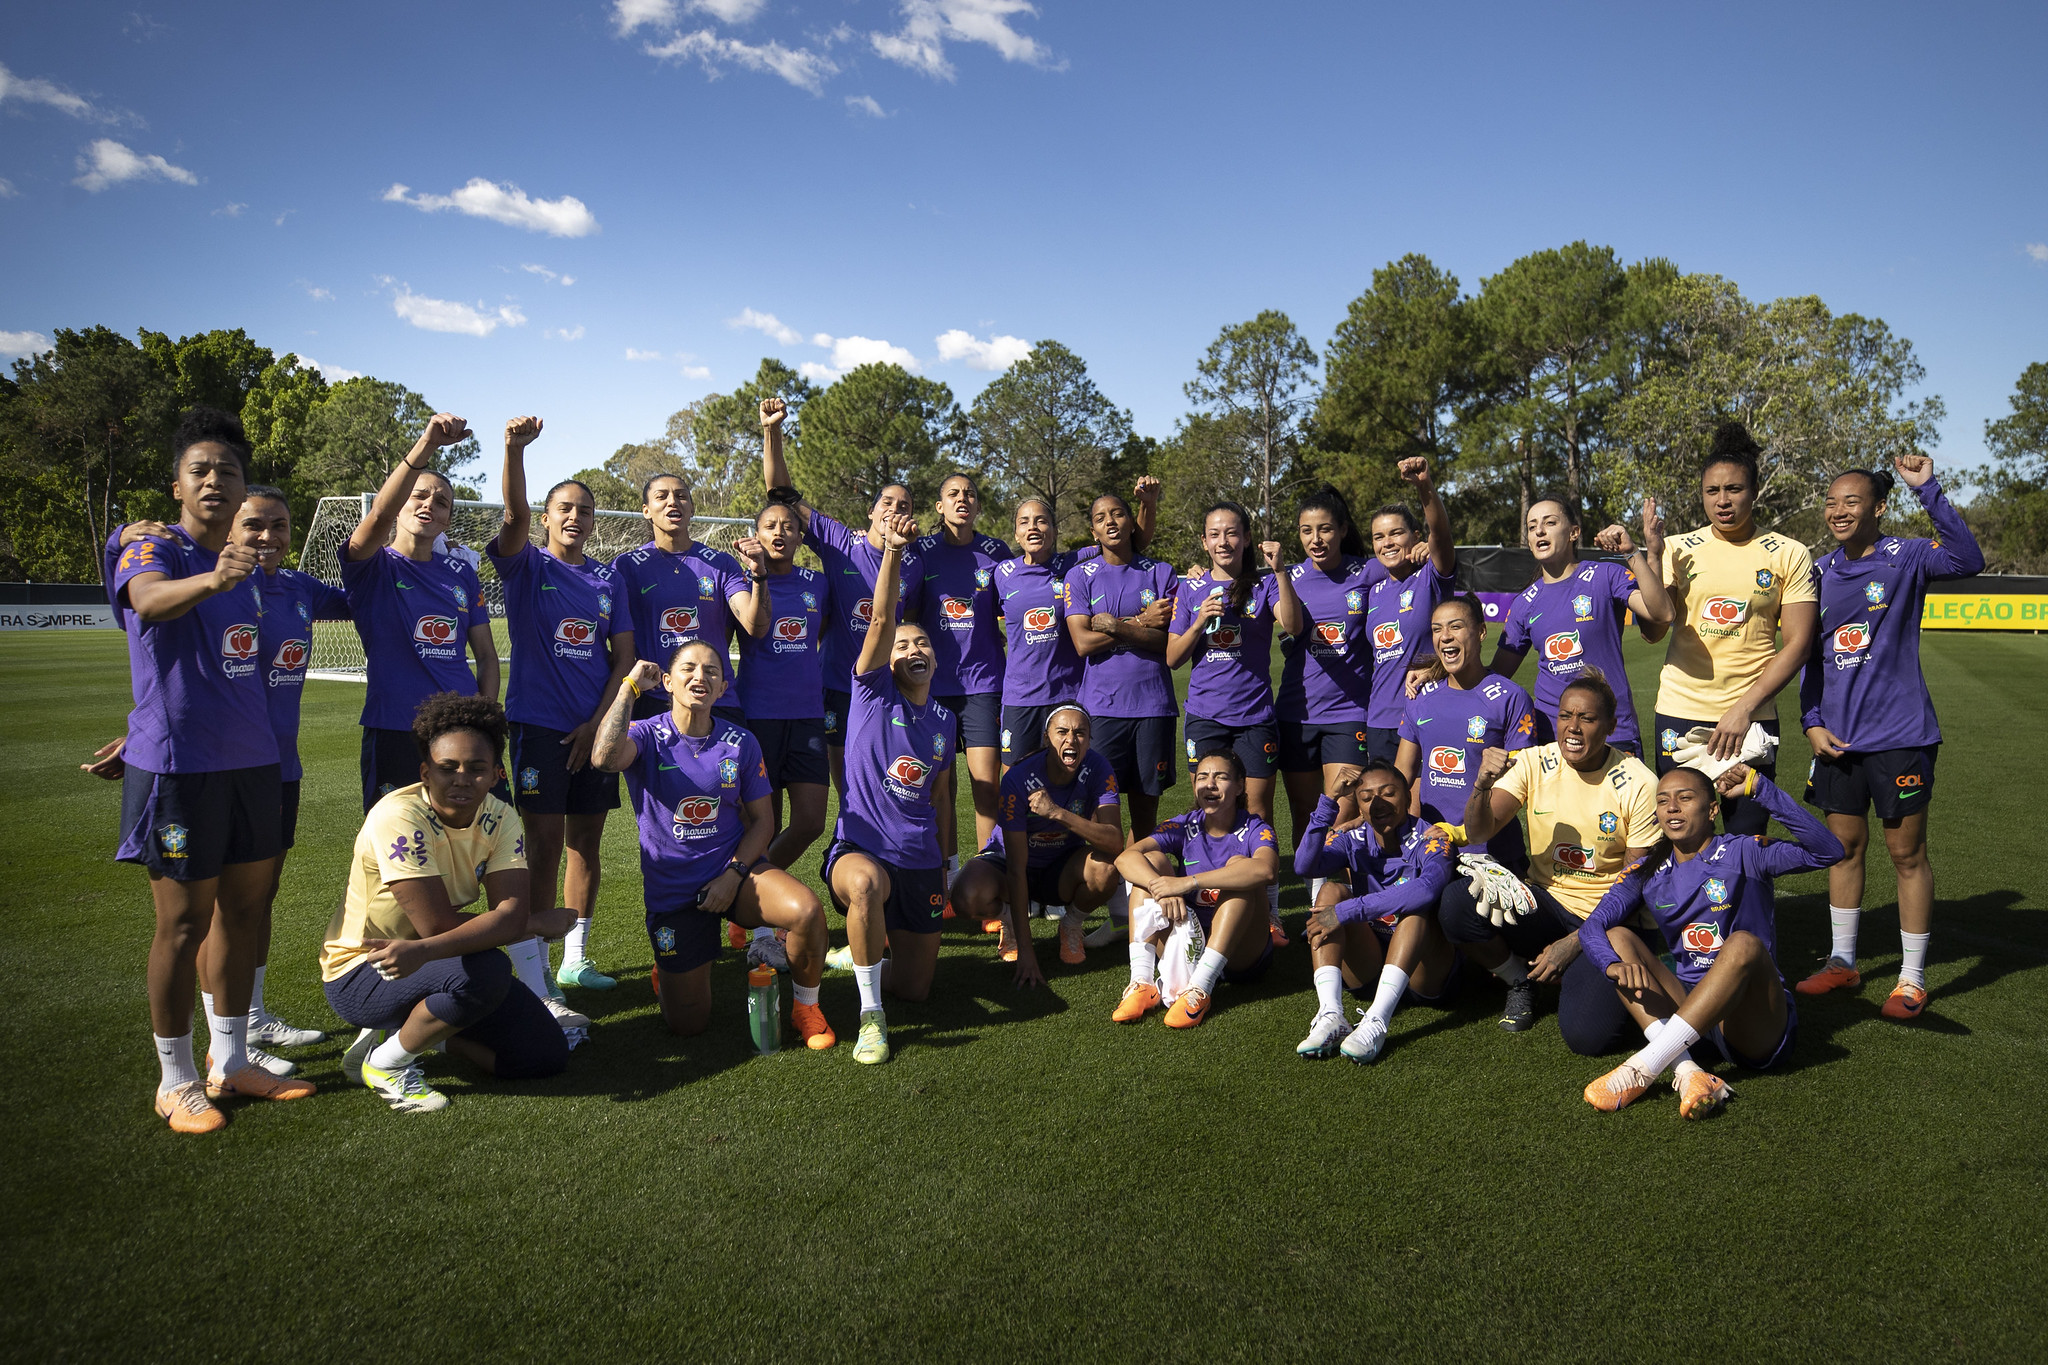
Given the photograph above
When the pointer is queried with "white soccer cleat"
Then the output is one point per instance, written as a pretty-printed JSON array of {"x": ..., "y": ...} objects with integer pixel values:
[
  {"x": 267, "y": 1030},
  {"x": 767, "y": 952},
  {"x": 276, "y": 1066},
  {"x": 1366, "y": 1040},
  {"x": 565, "y": 1016},
  {"x": 1325, "y": 1032},
  {"x": 1110, "y": 932},
  {"x": 359, "y": 1052}
]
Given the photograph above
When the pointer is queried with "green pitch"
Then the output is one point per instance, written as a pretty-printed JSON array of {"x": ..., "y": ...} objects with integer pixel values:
[{"x": 1025, "y": 1179}]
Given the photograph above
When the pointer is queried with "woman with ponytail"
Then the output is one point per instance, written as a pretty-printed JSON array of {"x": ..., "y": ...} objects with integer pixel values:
[{"x": 1400, "y": 604}]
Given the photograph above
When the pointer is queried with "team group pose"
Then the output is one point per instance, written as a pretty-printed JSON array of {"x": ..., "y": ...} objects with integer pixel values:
[{"x": 1449, "y": 824}]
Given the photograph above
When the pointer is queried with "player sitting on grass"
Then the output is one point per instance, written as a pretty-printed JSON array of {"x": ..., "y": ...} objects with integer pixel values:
[
  {"x": 402, "y": 962},
  {"x": 1213, "y": 862},
  {"x": 1383, "y": 926},
  {"x": 706, "y": 816},
  {"x": 1058, "y": 832},
  {"x": 1712, "y": 897}
]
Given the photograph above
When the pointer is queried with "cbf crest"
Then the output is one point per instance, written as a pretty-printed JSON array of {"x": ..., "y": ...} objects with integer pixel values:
[
  {"x": 1354, "y": 600},
  {"x": 1582, "y": 607},
  {"x": 1609, "y": 822},
  {"x": 981, "y": 579},
  {"x": 1873, "y": 593},
  {"x": 1717, "y": 890},
  {"x": 1764, "y": 579},
  {"x": 729, "y": 771},
  {"x": 939, "y": 747},
  {"x": 604, "y": 604},
  {"x": 305, "y": 613},
  {"x": 1475, "y": 728},
  {"x": 705, "y": 587},
  {"x": 810, "y": 601},
  {"x": 665, "y": 939}
]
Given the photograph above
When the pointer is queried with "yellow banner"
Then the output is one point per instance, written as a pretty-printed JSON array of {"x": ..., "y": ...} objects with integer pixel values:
[{"x": 1985, "y": 611}]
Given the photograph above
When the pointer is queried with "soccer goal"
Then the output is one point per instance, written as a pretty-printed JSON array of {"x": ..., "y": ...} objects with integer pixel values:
[{"x": 338, "y": 651}]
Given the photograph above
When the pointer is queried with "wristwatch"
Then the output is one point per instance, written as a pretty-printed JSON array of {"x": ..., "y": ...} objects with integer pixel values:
[{"x": 740, "y": 868}]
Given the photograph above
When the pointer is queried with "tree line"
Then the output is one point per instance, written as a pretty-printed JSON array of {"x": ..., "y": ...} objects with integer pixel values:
[{"x": 1570, "y": 369}]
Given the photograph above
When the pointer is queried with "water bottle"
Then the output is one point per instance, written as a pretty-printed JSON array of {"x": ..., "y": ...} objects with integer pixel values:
[
  {"x": 764, "y": 1010},
  {"x": 1217, "y": 591}
]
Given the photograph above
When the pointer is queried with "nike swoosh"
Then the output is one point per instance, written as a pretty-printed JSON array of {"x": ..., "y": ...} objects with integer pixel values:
[
  {"x": 1539, "y": 812},
  {"x": 666, "y": 767},
  {"x": 1908, "y": 796},
  {"x": 403, "y": 584},
  {"x": 547, "y": 587},
  {"x": 645, "y": 587},
  {"x": 895, "y": 720},
  {"x": 1667, "y": 905},
  {"x": 1424, "y": 720}
]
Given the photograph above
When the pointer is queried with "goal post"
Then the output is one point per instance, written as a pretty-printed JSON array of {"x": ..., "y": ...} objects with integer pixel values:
[{"x": 338, "y": 650}]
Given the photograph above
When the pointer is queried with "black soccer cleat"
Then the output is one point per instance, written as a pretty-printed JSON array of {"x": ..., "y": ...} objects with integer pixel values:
[{"x": 1519, "y": 1014}]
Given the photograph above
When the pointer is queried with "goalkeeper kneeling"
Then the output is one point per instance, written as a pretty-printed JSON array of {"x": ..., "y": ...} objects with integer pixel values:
[{"x": 1382, "y": 928}]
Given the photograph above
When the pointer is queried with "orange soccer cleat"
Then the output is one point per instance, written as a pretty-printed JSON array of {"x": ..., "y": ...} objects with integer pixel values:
[
  {"x": 1140, "y": 999},
  {"x": 1701, "y": 1093},
  {"x": 735, "y": 935},
  {"x": 1905, "y": 1002},
  {"x": 1834, "y": 975},
  {"x": 1073, "y": 940},
  {"x": 812, "y": 1028},
  {"x": 188, "y": 1109},
  {"x": 1189, "y": 1010},
  {"x": 254, "y": 1083},
  {"x": 1618, "y": 1088},
  {"x": 1006, "y": 946}
]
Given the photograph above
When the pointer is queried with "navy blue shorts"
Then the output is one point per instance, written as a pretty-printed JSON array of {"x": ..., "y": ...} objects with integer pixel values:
[
  {"x": 981, "y": 718},
  {"x": 476, "y": 993},
  {"x": 1893, "y": 782},
  {"x": 836, "y": 704},
  {"x": 1256, "y": 746},
  {"x": 1382, "y": 742},
  {"x": 391, "y": 759},
  {"x": 917, "y": 895},
  {"x": 1139, "y": 751},
  {"x": 685, "y": 939},
  {"x": 288, "y": 814},
  {"x": 1024, "y": 731},
  {"x": 1305, "y": 747},
  {"x": 543, "y": 783},
  {"x": 1042, "y": 884},
  {"x": 188, "y": 826},
  {"x": 792, "y": 750},
  {"x": 1739, "y": 814}
]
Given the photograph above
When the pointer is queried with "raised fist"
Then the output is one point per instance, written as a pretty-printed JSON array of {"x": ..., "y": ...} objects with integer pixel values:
[
  {"x": 1492, "y": 765},
  {"x": 899, "y": 531},
  {"x": 1147, "y": 489},
  {"x": 1269, "y": 550},
  {"x": 773, "y": 410},
  {"x": 236, "y": 563},
  {"x": 1915, "y": 468},
  {"x": 445, "y": 429},
  {"x": 1415, "y": 470},
  {"x": 521, "y": 432},
  {"x": 646, "y": 675}
]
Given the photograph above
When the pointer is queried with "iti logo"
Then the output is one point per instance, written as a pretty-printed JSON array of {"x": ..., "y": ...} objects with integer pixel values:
[
  {"x": 1609, "y": 822},
  {"x": 728, "y": 771},
  {"x": 1475, "y": 728},
  {"x": 1723, "y": 611},
  {"x": 1873, "y": 593},
  {"x": 665, "y": 939},
  {"x": 1701, "y": 936},
  {"x": 810, "y": 601},
  {"x": 291, "y": 655},
  {"x": 693, "y": 813},
  {"x": 1038, "y": 618},
  {"x": 1582, "y": 607},
  {"x": 1764, "y": 579},
  {"x": 705, "y": 587},
  {"x": 1717, "y": 890},
  {"x": 679, "y": 620},
  {"x": 1448, "y": 759},
  {"x": 956, "y": 608},
  {"x": 575, "y": 631},
  {"x": 1852, "y": 638},
  {"x": 1226, "y": 637},
  {"x": 1353, "y": 600},
  {"x": 433, "y": 630},
  {"x": 529, "y": 780},
  {"x": 981, "y": 578},
  {"x": 908, "y": 771},
  {"x": 172, "y": 839},
  {"x": 790, "y": 628},
  {"x": 1562, "y": 647},
  {"x": 1386, "y": 635},
  {"x": 1572, "y": 857},
  {"x": 238, "y": 643},
  {"x": 1332, "y": 634}
]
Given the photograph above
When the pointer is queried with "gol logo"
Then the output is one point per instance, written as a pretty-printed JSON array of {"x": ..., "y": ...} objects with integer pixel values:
[
  {"x": 956, "y": 608},
  {"x": 1226, "y": 637},
  {"x": 238, "y": 642},
  {"x": 1909, "y": 780},
  {"x": 571, "y": 631},
  {"x": 909, "y": 771},
  {"x": 1038, "y": 618},
  {"x": 433, "y": 630},
  {"x": 695, "y": 811},
  {"x": 1852, "y": 638},
  {"x": 1562, "y": 646},
  {"x": 1702, "y": 936},
  {"x": 1329, "y": 632},
  {"x": 790, "y": 628},
  {"x": 1386, "y": 635},
  {"x": 1572, "y": 856},
  {"x": 679, "y": 619},
  {"x": 291, "y": 655},
  {"x": 1724, "y": 611},
  {"x": 1447, "y": 759}
]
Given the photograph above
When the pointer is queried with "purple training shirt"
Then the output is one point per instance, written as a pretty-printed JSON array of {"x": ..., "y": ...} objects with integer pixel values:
[
  {"x": 1453, "y": 727},
  {"x": 781, "y": 675},
  {"x": 1043, "y": 667},
  {"x": 1050, "y": 842},
  {"x": 894, "y": 755},
  {"x": 688, "y": 793},
  {"x": 1571, "y": 623},
  {"x": 292, "y": 602},
  {"x": 1230, "y": 672},
  {"x": 559, "y": 618},
  {"x": 955, "y": 600},
  {"x": 414, "y": 619},
  {"x": 671, "y": 598},
  {"x": 850, "y": 565},
  {"x": 1122, "y": 681},
  {"x": 1326, "y": 675},
  {"x": 1397, "y": 616}
]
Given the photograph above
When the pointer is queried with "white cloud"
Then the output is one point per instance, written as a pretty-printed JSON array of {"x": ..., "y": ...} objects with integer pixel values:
[
  {"x": 550, "y": 276},
  {"x": 628, "y": 15},
  {"x": 816, "y": 373},
  {"x": 998, "y": 353},
  {"x": 7, "y": 190},
  {"x": 928, "y": 25},
  {"x": 865, "y": 104},
  {"x": 279, "y": 220},
  {"x": 768, "y": 323},
  {"x": 2038, "y": 251},
  {"x": 229, "y": 210},
  {"x": 314, "y": 291},
  {"x": 800, "y": 66},
  {"x": 564, "y": 333},
  {"x": 23, "y": 343},
  {"x": 447, "y": 315},
  {"x": 696, "y": 372},
  {"x": 333, "y": 374},
  {"x": 507, "y": 204},
  {"x": 35, "y": 90},
  {"x": 727, "y": 11},
  {"x": 108, "y": 162},
  {"x": 850, "y": 352},
  {"x": 633, "y": 353}
]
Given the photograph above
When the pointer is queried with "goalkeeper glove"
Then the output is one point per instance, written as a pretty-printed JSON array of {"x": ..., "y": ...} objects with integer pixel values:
[{"x": 1692, "y": 750}]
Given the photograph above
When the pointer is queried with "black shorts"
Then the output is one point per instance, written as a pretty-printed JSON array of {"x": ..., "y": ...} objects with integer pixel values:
[
  {"x": 1042, "y": 884},
  {"x": 1139, "y": 751},
  {"x": 1894, "y": 782},
  {"x": 477, "y": 993},
  {"x": 542, "y": 780},
  {"x": 1305, "y": 746},
  {"x": 792, "y": 750},
  {"x": 391, "y": 759},
  {"x": 1779, "y": 1052},
  {"x": 1256, "y": 746},
  {"x": 288, "y": 814},
  {"x": 917, "y": 895},
  {"x": 188, "y": 826},
  {"x": 1024, "y": 731},
  {"x": 686, "y": 939},
  {"x": 836, "y": 704},
  {"x": 981, "y": 718},
  {"x": 1739, "y": 814}
]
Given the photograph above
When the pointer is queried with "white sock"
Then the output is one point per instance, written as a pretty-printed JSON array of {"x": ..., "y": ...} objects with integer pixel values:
[
  {"x": 256, "y": 995},
  {"x": 174, "y": 1060},
  {"x": 1385, "y": 1000},
  {"x": 1330, "y": 990},
  {"x": 1144, "y": 963},
  {"x": 805, "y": 995},
  {"x": 763, "y": 931},
  {"x": 229, "y": 1046},
  {"x": 1682, "y": 1068},
  {"x": 576, "y": 944},
  {"x": 1913, "y": 971},
  {"x": 1843, "y": 921},
  {"x": 1670, "y": 1044},
  {"x": 530, "y": 964},
  {"x": 1273, "y": 902},
  {"x": 390, "y": 1055},
  {"x": 1315, "y": 890},
  {"x": 1653, "y": 1028},
  {"x": 869, "y": 980},
  {"x": 1120, "y": 903},
  {"x": 1207, "y": 970},
  {"x": 1514, "y": 971}
]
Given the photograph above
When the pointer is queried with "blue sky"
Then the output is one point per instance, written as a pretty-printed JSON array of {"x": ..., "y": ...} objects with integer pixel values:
[{"x": 943, "y": 181}]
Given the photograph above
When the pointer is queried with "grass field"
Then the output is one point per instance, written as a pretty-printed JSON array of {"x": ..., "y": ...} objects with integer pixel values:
[{"x": 1026, "y": 1180}]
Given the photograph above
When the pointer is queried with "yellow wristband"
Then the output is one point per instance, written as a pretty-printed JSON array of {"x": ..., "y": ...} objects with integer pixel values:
[{"x": 635, "y": 688}]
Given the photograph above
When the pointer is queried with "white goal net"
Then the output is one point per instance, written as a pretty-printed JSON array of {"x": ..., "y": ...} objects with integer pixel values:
[{"x": 338, "y": 651}]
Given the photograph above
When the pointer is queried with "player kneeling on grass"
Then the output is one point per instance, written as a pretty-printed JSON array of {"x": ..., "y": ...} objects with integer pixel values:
[
  {"x": 402, "y": 962},
  {"x": 1712, "y": 897},
  {"x": 1214, "y": 863},
  {"x": 706, "y": 815},
  {"x": 1058, "y": 833},
  {"x": 1383, "y": 927}
]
